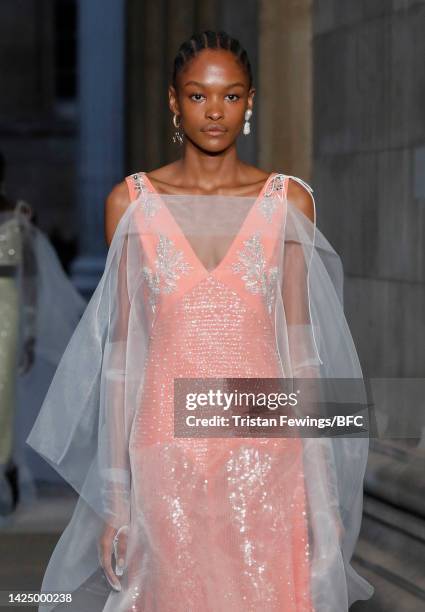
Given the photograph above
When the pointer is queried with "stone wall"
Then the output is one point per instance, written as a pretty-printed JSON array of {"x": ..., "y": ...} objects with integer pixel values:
[{"x": 369, "y": 169}]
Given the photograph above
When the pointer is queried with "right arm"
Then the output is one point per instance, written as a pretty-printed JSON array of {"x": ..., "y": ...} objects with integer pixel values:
[
  {"x": 116, "y": 204},
  {"x": 303, "y": 356}
]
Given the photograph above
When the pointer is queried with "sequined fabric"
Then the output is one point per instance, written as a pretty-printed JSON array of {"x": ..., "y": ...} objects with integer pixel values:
[{"x": 218, "y": 524}]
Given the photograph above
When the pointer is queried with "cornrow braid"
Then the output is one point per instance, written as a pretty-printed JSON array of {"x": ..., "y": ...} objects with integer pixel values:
[{"x": 209, "y": 39}]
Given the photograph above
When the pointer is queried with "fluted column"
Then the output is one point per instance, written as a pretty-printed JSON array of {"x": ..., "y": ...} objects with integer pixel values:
[
  {"x": 101, "y": 123},
  {"x": 285, "y": 77}
]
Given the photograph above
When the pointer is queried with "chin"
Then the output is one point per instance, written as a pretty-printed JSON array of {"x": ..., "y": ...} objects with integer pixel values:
[
  {"x": 216, "y": 144},
  {"x": 209, "y": 144}
]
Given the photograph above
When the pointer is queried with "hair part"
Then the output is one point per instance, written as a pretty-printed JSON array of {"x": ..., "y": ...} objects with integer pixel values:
[{"x": 209, "y": 39}]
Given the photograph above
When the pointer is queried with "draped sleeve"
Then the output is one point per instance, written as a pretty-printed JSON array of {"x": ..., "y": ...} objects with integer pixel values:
[
  {"x": 90, "y": 403},
  {"x": 113, "y": 447},
  {"x": 317, "y": 348},
  {"x": 83, "y": 429}
]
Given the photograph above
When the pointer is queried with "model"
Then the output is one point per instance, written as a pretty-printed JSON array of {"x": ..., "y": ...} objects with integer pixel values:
[{"x": 215, "y": 270}]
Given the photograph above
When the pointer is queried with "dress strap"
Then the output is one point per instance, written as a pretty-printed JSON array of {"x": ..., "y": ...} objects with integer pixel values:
[
  {"x": 135, "y": 184},
  {"x": 275, "y": 185},
  {"x": 300, "y": 180}
]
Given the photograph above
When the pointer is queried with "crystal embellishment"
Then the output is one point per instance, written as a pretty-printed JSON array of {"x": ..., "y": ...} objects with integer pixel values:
[
  {"x": 252, "y": 264},
  {"x": 150, "y": 204},
  {"x": 269, "y": 201},
  {"x": 169, "y": 266},
  {"x": 267, "y": 207}
]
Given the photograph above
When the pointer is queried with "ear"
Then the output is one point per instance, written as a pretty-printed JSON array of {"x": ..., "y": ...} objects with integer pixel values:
[
  {"x": 172, "y": 100},
  {"x": 251, "y": 95}
]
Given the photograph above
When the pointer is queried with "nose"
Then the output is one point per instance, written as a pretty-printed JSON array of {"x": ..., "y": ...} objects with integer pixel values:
[
  {"x": 214, "y": 111},
  {"x": 214, "y": 115}
]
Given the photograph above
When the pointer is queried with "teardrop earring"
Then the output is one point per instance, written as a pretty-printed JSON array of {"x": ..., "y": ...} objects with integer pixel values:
[
  {"x": 178, "y": 136},
  {"x": 247, "y": 125}
]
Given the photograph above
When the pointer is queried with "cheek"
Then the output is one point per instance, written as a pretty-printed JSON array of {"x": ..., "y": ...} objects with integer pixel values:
[
  {"x": 240, "y": 112},
  {"x": 193, "y": 113},
  {"x": 235, "y": 115}
]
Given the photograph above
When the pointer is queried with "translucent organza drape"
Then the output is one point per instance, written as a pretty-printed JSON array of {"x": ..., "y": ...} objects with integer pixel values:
[{"x": 171, "y": 255}]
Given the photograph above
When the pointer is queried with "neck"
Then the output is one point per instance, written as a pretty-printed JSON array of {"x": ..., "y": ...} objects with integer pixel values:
[{"x": 209, "y": 171}]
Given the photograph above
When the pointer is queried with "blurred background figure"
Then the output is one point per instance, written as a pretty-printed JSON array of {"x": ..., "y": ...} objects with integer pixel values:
[
  {"x": 39, "y": 309},
  {"x": 15, "y": 306}
]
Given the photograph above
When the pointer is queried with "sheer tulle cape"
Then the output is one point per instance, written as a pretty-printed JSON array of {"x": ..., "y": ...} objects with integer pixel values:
[{"x": 84, "y": 427}]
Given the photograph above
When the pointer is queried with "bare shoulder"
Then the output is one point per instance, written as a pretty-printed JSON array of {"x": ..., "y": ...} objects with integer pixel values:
[
  {"x": 116, "y": 204},
  {"x": 301, "y": 198}
]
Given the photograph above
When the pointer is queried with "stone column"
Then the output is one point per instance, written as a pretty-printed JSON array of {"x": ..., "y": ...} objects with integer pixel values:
[
  {"x": 285, "y": 86},
  {"x": 101, "y": 111}
]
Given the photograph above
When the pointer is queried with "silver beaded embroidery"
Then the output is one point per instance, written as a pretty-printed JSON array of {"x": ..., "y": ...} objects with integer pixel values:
[
  {"x": 267, "y": 207},
  {"x": 257, "y": 278},
  {"x": 150, "y": 203},
  {"x": 269, "y": 201},
  {"x": 169, "y": 265}
]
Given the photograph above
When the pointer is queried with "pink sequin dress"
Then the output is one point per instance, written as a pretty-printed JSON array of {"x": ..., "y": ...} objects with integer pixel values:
[{"x": 219, "y": 523}]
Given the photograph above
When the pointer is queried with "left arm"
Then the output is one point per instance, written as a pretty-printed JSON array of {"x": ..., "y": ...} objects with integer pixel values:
[
  {"x": 300, "y": 198},
  {"x": 305, "y": 362}
]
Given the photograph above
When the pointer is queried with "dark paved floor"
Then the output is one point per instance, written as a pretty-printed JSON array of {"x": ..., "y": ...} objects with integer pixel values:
[{"x": 28, "y": 538}]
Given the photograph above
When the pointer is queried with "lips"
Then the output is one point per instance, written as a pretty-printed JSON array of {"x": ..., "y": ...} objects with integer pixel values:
[{"x": 214, "y": 129}]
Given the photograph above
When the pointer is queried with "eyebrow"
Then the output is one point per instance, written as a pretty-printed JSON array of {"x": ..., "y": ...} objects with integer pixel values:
[{"x": 238, "y": 83}]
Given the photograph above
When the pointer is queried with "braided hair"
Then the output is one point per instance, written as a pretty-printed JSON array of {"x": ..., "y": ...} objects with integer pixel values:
[{"x": 210, "y": 40}]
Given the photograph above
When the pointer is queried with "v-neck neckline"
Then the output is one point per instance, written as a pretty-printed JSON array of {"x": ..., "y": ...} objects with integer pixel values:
[{"x": 186, "y": 242}]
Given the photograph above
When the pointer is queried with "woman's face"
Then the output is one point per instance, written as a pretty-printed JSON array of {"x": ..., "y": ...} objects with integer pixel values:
[{"x": 211, "y": 99}]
